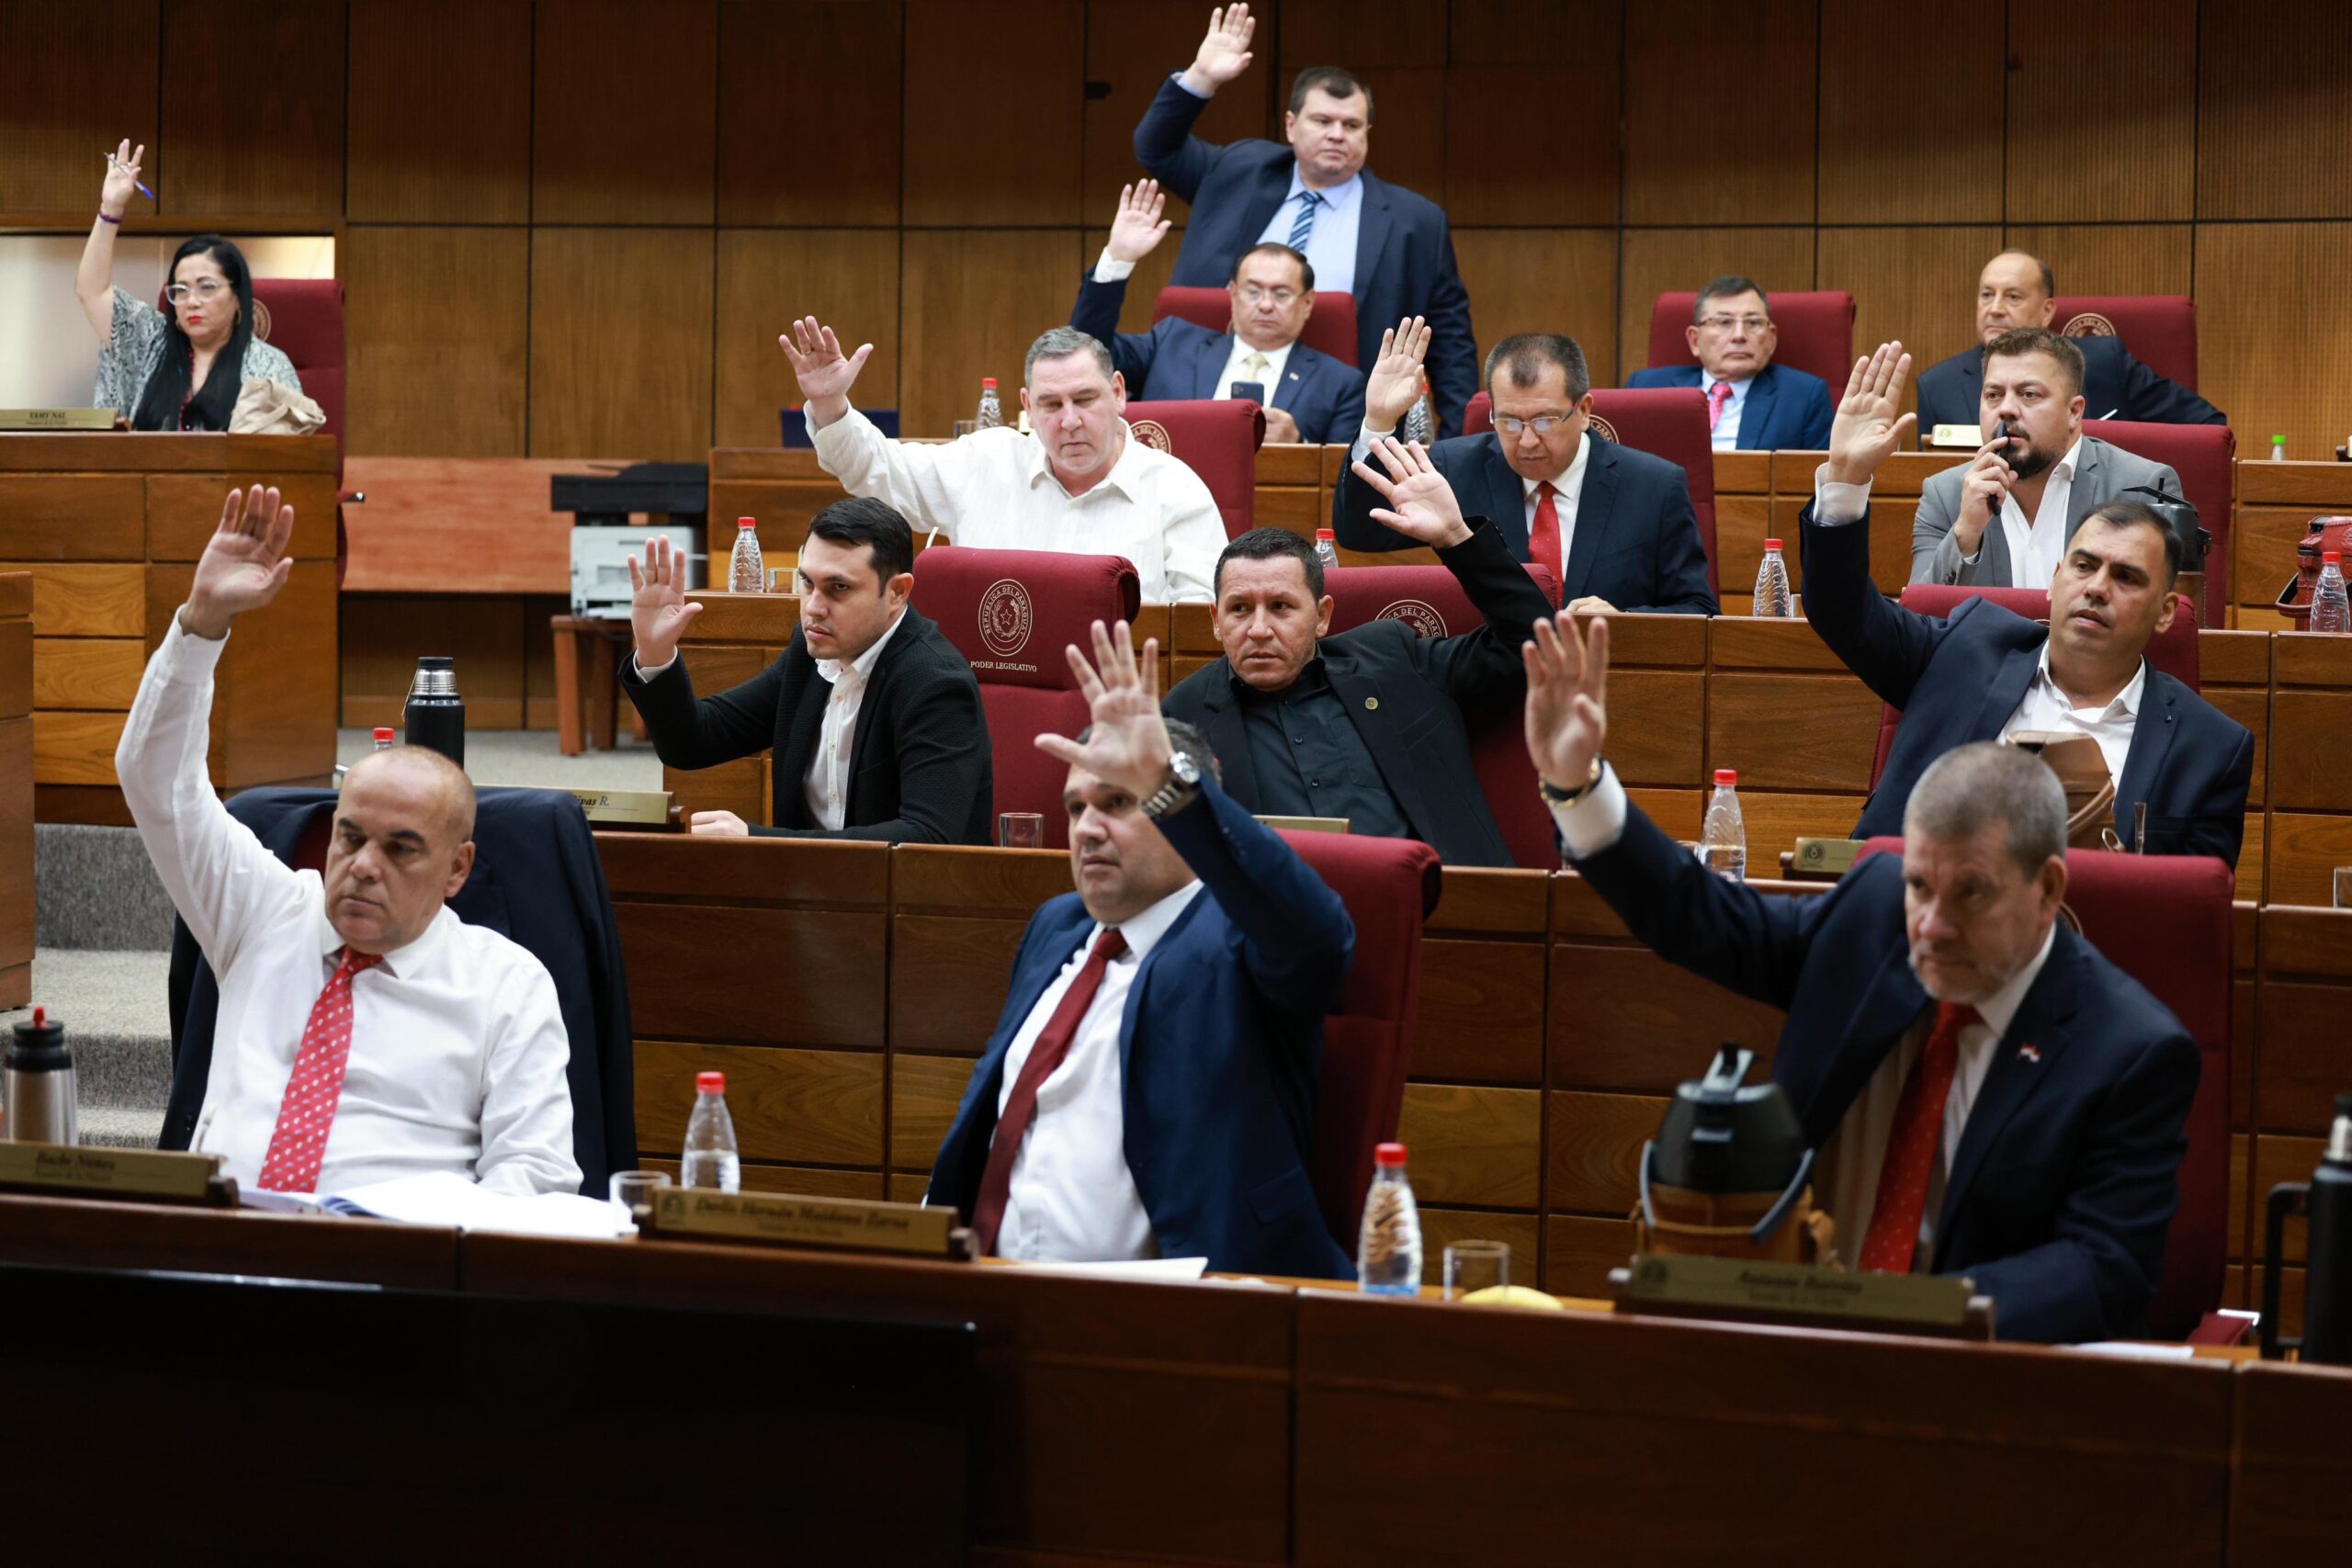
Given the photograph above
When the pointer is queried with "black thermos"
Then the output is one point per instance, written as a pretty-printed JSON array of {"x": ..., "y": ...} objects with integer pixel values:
[
  {"x": 2327, "y": 1287},
  {"x": 437, "y": 715}
]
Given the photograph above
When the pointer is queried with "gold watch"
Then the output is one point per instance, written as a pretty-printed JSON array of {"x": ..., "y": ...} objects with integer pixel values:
[{"x": 1570, "y": 796}]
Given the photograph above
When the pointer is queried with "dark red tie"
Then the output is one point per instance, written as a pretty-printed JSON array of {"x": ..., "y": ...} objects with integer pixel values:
[
  {"x": 1544, "y": 533},
  {"x": 1021, "y": 1108},
  {"x": 316, "y": 1086},
  {"x": 1718, "y": 399},
  {"x": 1911, "y": 1147}
]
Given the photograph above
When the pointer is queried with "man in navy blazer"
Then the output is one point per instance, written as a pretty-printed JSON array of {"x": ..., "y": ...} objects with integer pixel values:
[
  {"x": 1307, "y": 396},
  {"x": 1984, "y": 671},
  {"x": 1387, "y": 246},
  {"x": 1986, "y": 1095},
  {"x": 1753, "y": 405},
  {"x": 1150, "y": 1089},
  {"x": 1614, "y": 524}
]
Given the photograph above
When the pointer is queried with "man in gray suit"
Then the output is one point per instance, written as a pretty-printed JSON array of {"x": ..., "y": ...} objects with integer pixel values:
[{"x": 2003, "y": 520}]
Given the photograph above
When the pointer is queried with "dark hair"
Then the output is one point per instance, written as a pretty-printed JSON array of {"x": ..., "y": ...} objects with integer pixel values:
[
  {"x": 1524, "y": 354},
  {"x": 862, "y": 520},
  {"x": 2049, "y": 279},
  {"x": 1730, "y": 286},
  {"x": 1336, "y": 80},
  {"x": 1275, "y": 248},
  {"x": 1272, "y": 544},
  {"x": 2138, "y": 514},
  {"x": 2039, "y": 340},
  {"x": 159, "y": 404},
  {"x": 1187, "y": 741}
]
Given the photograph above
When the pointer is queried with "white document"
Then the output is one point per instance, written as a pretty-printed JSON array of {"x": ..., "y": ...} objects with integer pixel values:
[
  {"x": 444, "y": 1198},
  {"x": 1160, "y": 1270}
]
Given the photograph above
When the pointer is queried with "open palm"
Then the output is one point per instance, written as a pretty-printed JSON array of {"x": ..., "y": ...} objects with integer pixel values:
[
  {"x": 1395, "y": 384},
  {"x": 818, "y": 362},
  {"x": 244, "y": 563},
  {"x": 1567, "y": 699},
  {"x": 1127, "y": 747},
  {"x": 1868, "y": 427}
]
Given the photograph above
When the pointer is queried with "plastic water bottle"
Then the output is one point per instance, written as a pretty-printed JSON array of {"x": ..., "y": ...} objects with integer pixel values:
[
  {"x": 992, "y": 414},
  {"x": 1722, "y": 842},
  {"x": 384, "y": 737},
  {"x": 1420, "y": 419},
  {"x": 2277, "y": 448},
  {"x": 1772, "y": 584},
  {"x": 710, "y": 1159},
  {"x": 2329, "y": 610},
  {"x": 1388, "y": 1255},
  {"x": 1326, "y": 550},
  {"x": 745, "y": 574}
]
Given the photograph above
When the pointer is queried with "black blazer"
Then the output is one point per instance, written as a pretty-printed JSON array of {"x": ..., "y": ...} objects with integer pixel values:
[
  {"x": 918, "y": 768},
  {"x": 1636, "y": 540},
  {"x": 1405, "y": 695},
  {"x": 1950, "y": 392}
]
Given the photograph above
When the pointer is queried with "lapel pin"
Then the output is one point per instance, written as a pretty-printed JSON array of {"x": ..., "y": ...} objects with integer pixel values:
[
  {"x": 2030, "y": 1054},
  {"x": 1371, "y": 703}
]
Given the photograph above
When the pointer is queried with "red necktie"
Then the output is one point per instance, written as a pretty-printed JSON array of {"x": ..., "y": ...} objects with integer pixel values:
[
  {"x": 315, "y": 1085},
  {"x": 1718, "y": 399},
  {"x": 1021, "y": 1108},
  {"x": 1911, "y": 1147},
  {"x": 1544, "y": 533}
]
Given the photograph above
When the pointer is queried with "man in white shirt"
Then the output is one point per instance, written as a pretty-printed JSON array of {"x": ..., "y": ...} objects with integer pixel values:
[
  {"x": 364, "y": 1033},
  {"x": 1080, "y": 485}
]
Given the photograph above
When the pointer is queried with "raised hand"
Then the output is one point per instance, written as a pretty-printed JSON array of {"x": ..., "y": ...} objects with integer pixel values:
[
  {"x": 1224, "y": 53},
  {"x": 122, "y": 178},
  {"x": 1866, "y": 431},
  {"x": 1128, "y": 748},
  {"x": 1422, "y": 506},
  {"x": 1982, "y": 489},
  {"x": 1395, "y": 385},
  {"x": 1567, "y": 699},
  {"x": 243, "y": 565},
  {"x": 825, "y": 374},
  {"x": 1138, "y": 228},
  {"x": 658, "y": 606}
]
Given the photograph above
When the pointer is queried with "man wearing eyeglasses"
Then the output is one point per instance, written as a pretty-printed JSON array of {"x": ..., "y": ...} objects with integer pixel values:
[
  {"x": 1307, "y": 396},
  {"x": 1613, "y": 525},
  {"x": 1753, "y": 405}
]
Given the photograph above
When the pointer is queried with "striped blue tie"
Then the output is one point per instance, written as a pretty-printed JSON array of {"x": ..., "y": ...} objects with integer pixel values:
[{"x": 1304, "y": 224}]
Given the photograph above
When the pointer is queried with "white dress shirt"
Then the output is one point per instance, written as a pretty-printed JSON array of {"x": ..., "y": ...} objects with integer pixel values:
[
  {"x": 826, "y": 787},
  {"x": 1072, "y": 1199},
  {"x": 2037, "y": 546},
  {"x": 458, "y": 1045},
  {"x": 993, "y": 490},
  {"x": 1725, "y": 434}
]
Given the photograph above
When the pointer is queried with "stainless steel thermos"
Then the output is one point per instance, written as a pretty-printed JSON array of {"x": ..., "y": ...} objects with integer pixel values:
[
  {"x": 37, "y": 1086},
  {"x": 435, "y": 713},
  {"x": 2327, "y": 1287}
]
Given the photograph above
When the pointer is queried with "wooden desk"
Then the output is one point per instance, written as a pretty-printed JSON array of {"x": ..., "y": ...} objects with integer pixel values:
[
  {"x": 2309, "y": 790},
  {"x": 735, "y": 638},
  {"x": 86, "y": 1233},
  {"x": 2274, "y": 505},
  {"x": 2290, "y": 1493},
  {"x": 17, "y": 921},
  {"x": 1800, "y": 730}
]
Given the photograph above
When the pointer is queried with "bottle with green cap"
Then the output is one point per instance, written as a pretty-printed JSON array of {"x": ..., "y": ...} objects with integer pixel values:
[{"x": 2277, "y": 448}]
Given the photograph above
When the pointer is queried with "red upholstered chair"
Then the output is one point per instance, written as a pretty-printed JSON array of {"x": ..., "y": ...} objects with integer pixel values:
[
  {"x": 1389, "y": 885},
  {"x": 2159, "y": 329},
  {"x": 2165, "y": 920},
  {"x": 1009, "y": 614},
  {"x": 1428, "y": 599},
  {"x": 1330, "y": 327},
  {"x": 302, "y": 318},
  {"x": 1817, "y": 331},
  {"x": 1218, "y": 439},
  {"x": 2205, "y": 456}
]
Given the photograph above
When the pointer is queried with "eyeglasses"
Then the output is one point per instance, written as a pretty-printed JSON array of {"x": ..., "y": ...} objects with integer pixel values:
[
  {"x": 202, "y": 289},
  {"x": 1726, "y": 323},
  {"x": 1254, "y": 295},
  {"x": 1543, "y": 424}
]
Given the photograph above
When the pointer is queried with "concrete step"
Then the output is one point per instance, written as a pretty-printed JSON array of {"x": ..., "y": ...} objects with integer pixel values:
[{"x": 97, "y": 891}]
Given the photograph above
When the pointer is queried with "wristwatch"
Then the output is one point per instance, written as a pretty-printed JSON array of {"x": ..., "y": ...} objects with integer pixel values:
[
  {"x": 1570, "y": 796},
  {"x": 1184, "y": 783}
]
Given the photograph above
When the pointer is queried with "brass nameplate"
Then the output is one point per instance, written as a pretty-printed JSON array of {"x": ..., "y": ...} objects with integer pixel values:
[
  {"x": 645, "y": 807},
  {"x": 1793, "y": 1289},
  {"x": 788, "y": 1221},
  {"x": 1966, "y": 435},
  {"x": 117, "y": 1173},
  {"x": 1307, "y": 824},
  {"x": 1826, "y": 857},
  {"x": 57, "y": 419}
]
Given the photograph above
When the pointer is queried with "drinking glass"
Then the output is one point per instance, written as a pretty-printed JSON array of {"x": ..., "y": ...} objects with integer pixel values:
[
  {"x": 1476, "y": 1264},
  {"x": 964, "y": 427},
  {"x": 631, "y": 1187},
  {"x": 1020, "y": 830}
]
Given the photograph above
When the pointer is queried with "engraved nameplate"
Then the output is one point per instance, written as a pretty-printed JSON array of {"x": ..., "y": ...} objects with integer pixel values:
[
  {"x": 699, "y": 1212},
  {"x": 642, "y": 807},
  {"x": 126, "y": 1173},
  {"x": 1828, "y": 1295},
  {"x": 57, "y": 419}
]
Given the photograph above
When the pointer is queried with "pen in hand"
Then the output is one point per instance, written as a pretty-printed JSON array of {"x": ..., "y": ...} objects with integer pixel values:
[{"x": 115, "y": 163}]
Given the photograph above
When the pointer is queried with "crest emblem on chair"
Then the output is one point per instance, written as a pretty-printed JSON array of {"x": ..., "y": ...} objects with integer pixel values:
[
  {"x": 1416, "y": 614},
  {"x": 1152, "y": 433},
  {"x": 2090, "y": 323},
  {"x": 260, "y": 320},
  {"x": 1605, "y": 430},
  {"x": 1007, "y": 617}
]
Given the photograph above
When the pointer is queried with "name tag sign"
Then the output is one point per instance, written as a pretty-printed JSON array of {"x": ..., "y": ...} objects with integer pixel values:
[
  {"x": 57, "y": 419},
  {"x": 1805, "y": 1296},
  {"x": 624, "y": 807},
  {"x": 155, "y": 1175},
  {"x": 850, "y": 1224},
  {"x": 1967, "y": 435}
]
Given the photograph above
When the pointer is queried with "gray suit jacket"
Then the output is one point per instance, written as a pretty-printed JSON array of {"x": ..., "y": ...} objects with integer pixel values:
[{"x": 2105, "y": 473}]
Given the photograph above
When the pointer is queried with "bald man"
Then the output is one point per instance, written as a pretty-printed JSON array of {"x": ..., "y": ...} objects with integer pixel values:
[{"x": 365, "y": 1032}]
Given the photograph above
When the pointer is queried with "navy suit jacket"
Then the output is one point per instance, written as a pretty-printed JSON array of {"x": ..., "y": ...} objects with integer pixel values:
[
  {"x": 1219, "y": 1050},
  {"x": 1787, "y": 409},
  {"x": 1404, "y": 249},
  {"x": 1178, "y": 359},
  {"x": 1636, "y": 540},
  {"x": 2066, "y": 1173},
  {"x": 2115, "y": 386},
  {"x": 1959, "y": 680}
]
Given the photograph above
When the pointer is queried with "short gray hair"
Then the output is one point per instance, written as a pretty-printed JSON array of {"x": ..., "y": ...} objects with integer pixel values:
[
  {"x": 1060, "y": 342},
  {"x": 1985, "y": 785}
]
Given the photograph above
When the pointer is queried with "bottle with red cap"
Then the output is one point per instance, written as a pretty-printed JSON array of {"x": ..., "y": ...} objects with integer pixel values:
[
  {"x": 746, "y": 573},
  {"x": 992, "y": 414},
  {"x": 385, "y": 738},
  {"x": 1326, "y": 548},
  {"x": 2330, "y": 613},
  {"x": 1722, "y": 841},
  {"x": 1772, "y": 596},
  {"x": 1388, "y": 1248},
  {"x": 710, "y": 1158}
]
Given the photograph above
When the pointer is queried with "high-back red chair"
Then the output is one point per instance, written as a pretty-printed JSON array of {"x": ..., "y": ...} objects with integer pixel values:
[
  {"x": 1428, "y": 599},
  {"x": 1389, "y": 886},
  {"x": 2205, "y": 456},
  {"x": 2165, "y": 920},
  {"x": 1330, "y": 327},
  {"x": 1009, "y": 614},
  {"x": 302, "y": 318},
  {"x": 1218, "y": 439},
  {"x": 1816, "y": 331},
  {"x": 2159, "y": 329}
]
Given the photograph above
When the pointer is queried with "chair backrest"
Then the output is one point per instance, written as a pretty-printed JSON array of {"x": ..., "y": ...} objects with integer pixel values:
[
  {"x": 2159, "y": 329},
  {"x": 1389, "y": 886},
  {"x": 1429, "y": 600},
  {"x": 1330, "y": 328},
  {"x": 2165, "y": 921},
  {"x": 302, "y": 318},
  {"x": 1009, "y": 614},
  {"x": 2205, "y": 456},
  {"x": 1218, "y": 439},
  {"x": 1816, "y": 331}
]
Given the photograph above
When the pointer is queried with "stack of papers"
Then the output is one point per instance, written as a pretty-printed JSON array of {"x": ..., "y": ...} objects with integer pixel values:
[{"x": 445, "y": 1199}]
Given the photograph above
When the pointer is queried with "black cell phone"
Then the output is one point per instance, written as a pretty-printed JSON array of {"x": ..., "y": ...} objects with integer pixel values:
[
  {"x": 1255, "y": 391},
  {"x": 2000, "y": 432}
]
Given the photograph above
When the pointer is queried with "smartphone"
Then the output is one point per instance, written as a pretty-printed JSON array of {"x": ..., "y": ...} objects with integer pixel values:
[{"x": 1254, "y": 392}]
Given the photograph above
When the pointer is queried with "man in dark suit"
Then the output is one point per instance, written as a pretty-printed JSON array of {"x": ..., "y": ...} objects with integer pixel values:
[
  {"x": 872, "y": 717},
  {"x": 2017, "y": 289},
  {"x": 1753, "y": 405},
  {"x": 1368, "y": 725},
  {"x": 1150, "y": 1089},
  {"x": 1614, "y": 525},
  {"x": 1389, "y": 247},
  {"x": 1988, "y": 1095},
  {"x": 1307, "y": 396},
  {"x": 1984, "y": 672}
]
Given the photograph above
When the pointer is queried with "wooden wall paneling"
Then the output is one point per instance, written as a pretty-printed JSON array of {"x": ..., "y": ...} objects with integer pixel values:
[
  {"x": 1935, "y": 159},
  {"x": 253, "y": 108},
  {"x": 384, "y": 634},
  {"x": 621, "y": 342},
  {"x": 675, "y": 985},
  {"x": 440, "y": 112},
  {"x": 1481, "y": 1147},
  {"x": 624, "y": 101},
  {"x": 1132, "y": 47},
  {"x": 2122, "y": 154},
  {"x": 848, "y": 278},
  {"x": 78, "y": 77},
  {"x": 1663, "y": 261},
  {"x": 799, "y": 1181},
  {"x": 1639, "y": 1024},
  {"x": 1442, "y": 1227},
  {"x": 275, "y": 709},
  {"x": 1526, "y": 280},
  {"x": 1580, "y": 1249},
  {"x": 1919, "y": 284},
  {"x": 2263, "y": 352},
  {"x": 796, "y": 1107},
  {"x": 436, "y": 324},
  {"x": 72, "y": 516},
  {"x": 973, "y": 302},
  {"x": 2113, "y": 258},
  {"x": 1593, "y": 1146},
  {"x": 2272, "y": 118},
  {"x": 924, "y": 1092},
  {"x": 1535, "y": 145},
  {"x": 2282, "y": 1506},
  {"x": 1678, "y": 166},
  {"x": 86, "y": 673},
  {"x": 994, "y": 116},
  {"x": 809, "y": 112},
  {"x": 1151, "y": 274}
]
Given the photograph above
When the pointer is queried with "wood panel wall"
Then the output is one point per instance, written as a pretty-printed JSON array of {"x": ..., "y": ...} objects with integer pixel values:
[{"x": 567, "y": 223}]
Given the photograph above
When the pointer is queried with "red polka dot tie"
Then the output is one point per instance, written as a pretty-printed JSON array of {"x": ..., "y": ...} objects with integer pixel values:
[
  {"x": 316, "y": 1084},
  {"x": 1911, "y": 1147}
]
